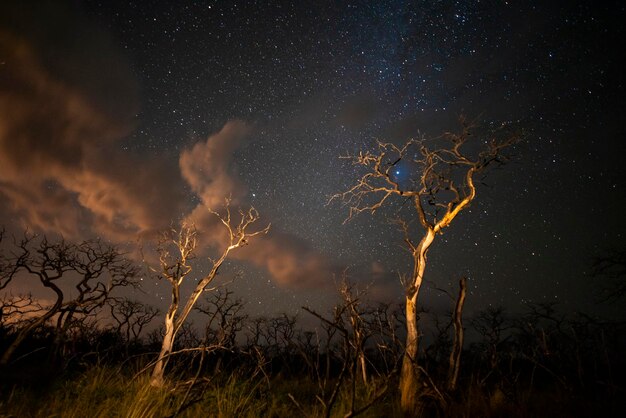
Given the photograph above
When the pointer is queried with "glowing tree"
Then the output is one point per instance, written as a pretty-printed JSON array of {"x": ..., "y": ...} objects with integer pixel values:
[
  {"x": 175, "y": 254},
  {"x": 440, "y": 184}
]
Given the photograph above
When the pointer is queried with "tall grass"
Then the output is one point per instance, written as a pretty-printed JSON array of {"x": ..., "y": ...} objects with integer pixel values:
[
  {"x": 99, "y": 392},
  {"x": 111, "y": 392}
]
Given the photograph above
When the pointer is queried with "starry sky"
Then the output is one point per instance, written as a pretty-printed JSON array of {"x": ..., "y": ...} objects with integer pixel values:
[{"x": 118, "y": 119}]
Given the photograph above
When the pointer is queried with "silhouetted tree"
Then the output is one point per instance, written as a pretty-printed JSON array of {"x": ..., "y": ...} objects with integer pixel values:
[
  {"x": 492, "y": 324},
  {"x": 130, "y": 317},
  {"x": 611, "y": 267},
  {"x": 224, "y": 319},
  {"x": 93, "y": 268},
  {"x": 350, "y": 319}
]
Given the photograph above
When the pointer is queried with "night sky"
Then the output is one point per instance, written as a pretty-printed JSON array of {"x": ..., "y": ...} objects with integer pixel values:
[{"x": 118, "y": 119}]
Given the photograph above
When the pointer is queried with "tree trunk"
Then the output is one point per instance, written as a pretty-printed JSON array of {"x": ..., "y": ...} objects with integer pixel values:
[
  {"x": 409, "y": 376},
  {"x": 166, "y": 349},
  {"x": 455, "y": 355},
  {"x": 363, "y": 366},
  {"x": 410, "y": 383}
]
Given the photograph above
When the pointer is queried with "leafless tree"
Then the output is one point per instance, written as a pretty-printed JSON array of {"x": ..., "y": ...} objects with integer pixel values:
[
  {"x": 17, "y": 310},
  {"x": 350, "y": 322},
  {"x": 611, "y": 267},
  {"x": 385, "y": 323},
  {"x": 453, "y": 346},
  {"x": 131, "y": 316},
  {"x": 492, "y": 324},
  {"x": 459, "y": 334},
  {"x": 442, "y": 184},
  {"x": 176, "y": 251},
  {"x": 225, "y": 319},
  {"x": 187, "y": 338},
  {"x": 94, "y": 268}
]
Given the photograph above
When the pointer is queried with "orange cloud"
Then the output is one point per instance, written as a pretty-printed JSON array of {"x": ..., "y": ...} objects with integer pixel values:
[
  {"x": 206, "y": 165},
  {"x": 62, "y": 170},
  {"x": 290, "y": 260},
  {"x": 207, "y": 168}
]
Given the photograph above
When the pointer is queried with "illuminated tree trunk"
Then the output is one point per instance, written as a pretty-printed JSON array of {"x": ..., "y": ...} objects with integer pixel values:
[
  {"x": 409, "y": 374},
  {"x": 168, "y": 342},
  {"x": 175, "y": 267}
]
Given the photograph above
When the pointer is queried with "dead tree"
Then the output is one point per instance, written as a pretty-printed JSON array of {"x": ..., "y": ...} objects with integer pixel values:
[
  {"x": 441, "y": 184},
  {"x": 351, "y": 298},
  {"x": 349, "y": 322},
  {"x": 385, "y": 323},
  {"x": 328, "y": 390},
  {"x": 457, "y": 346},
  {"x": 492, "y": 323},
  {"x": 224, "y": 320},
  {"x": 130, "y": 316},
  {"x": 18, "y": 310},
  {"x": 175, "y": 254},
  {"x": 611, "y": 267},
  {"x": 94, "y": 268}
]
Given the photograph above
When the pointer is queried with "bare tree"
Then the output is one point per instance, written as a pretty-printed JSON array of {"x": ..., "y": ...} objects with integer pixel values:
[
  {"x": 612, "y": 268},
  {"x": 457, "y": 346},
  {"x": 385, "y": 323},
  {"x": 131, "y": 316},
  {"x": 94, "y": 268},
  {"x": 492, "y": 323},
  {"x": 350, "y": 322},
  {"x": 225, "y": 318},
  {"x": 442, "y": 184},
  {"x": 175, "y": 254},
  {"x": 16, "y": 310}
]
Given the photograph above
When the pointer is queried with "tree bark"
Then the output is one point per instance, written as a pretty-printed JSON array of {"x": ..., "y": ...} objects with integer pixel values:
[
  {"x": 167, "y": 346},
  {"x": 363, "y": 366},
  {"x": 455, "y": 355},
  {"x": 409, "y": 375}
]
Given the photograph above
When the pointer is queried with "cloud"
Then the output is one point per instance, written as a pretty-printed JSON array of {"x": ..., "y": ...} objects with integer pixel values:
[
  {"x": 62, "y": 170},
  {"x": 60, "y": 167},
  {"x": 207, "y": 167},
  {"x": 290, "y": 261}
]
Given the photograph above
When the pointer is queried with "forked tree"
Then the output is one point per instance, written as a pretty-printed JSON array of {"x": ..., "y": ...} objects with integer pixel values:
[
  {"x": 176, "y": 252},
  {"x": 441, "y": 183},
  {"x": 350, "y": 322},
  {"x": 130, "y": 317},
  {"x": 92, "y": 269}
]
